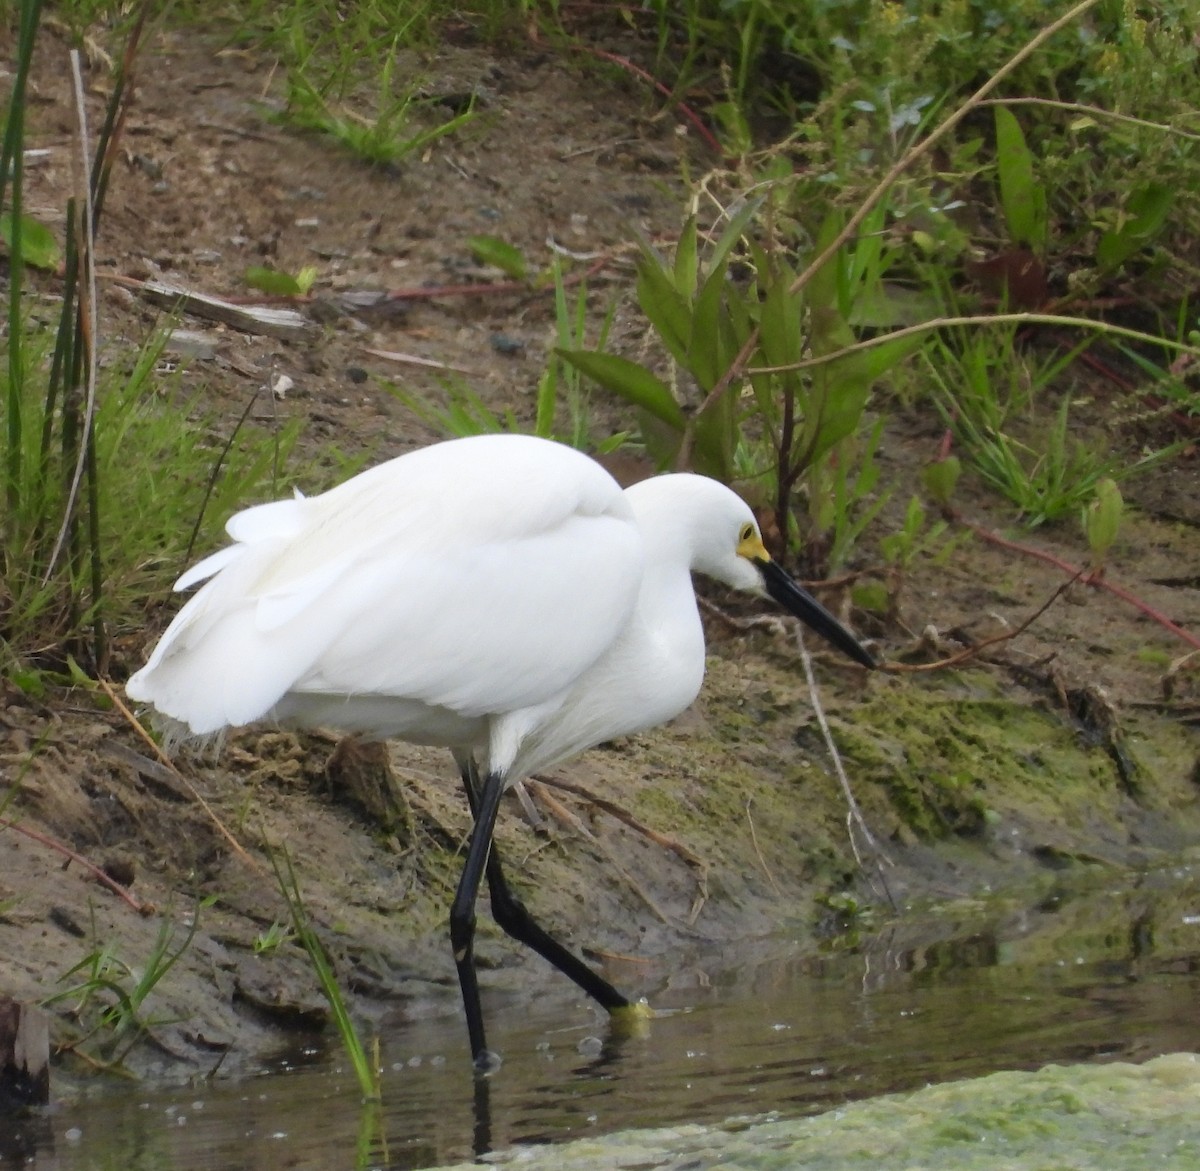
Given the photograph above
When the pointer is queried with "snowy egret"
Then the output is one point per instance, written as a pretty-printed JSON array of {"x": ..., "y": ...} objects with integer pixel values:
[{"x": 500, "y": 596}]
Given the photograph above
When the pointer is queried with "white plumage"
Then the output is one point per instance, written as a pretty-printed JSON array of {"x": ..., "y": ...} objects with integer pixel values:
[{"x": 439, "y": 577}]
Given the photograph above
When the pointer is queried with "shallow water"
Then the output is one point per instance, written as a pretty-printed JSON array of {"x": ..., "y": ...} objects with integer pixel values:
[{"x": 767, "y": 1029}]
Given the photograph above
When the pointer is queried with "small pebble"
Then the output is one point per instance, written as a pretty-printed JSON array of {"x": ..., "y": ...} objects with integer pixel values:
[{"x": 503, "y": 344}]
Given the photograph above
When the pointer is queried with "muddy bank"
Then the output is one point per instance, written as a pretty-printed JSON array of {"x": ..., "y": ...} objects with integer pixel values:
[{"x": 734, "y": 827}]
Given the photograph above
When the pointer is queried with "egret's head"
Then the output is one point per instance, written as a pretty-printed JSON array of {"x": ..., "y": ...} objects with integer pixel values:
[
  {"x": 733, "y": 552},
  {"x": 750, "y": 549},
  {"x": 708, "y": 527}
]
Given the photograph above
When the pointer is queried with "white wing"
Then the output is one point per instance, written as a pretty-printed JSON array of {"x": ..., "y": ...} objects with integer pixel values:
[{"x": 481, "y": 575}]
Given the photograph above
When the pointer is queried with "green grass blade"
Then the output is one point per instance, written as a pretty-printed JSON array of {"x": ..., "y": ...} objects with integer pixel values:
[
  {"x": 12, "y": 164},
  {"x": 632, "y": 382},
  {"x": 365, "y": 1070},
  {"x": 1022, "y": 197}
]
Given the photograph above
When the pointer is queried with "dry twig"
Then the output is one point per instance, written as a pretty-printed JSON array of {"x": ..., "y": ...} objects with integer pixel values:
[
  {"x": 168, "y": 764},
  {"x": 854, "y": 817},
  {"x": 758, "y": 849},
  {"x": 662, "y": 840},
  {"x": 973, "y": 651},
  {"x": 623, "y": 815},
  {"x": 95, "y": 871}
]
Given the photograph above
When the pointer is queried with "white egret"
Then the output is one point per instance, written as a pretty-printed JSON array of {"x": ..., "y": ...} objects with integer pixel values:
[{"x": 498, "y": 595}]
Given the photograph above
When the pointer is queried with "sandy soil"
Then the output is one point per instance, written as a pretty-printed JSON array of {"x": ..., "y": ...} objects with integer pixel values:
[{"x": 1059, "y": 749}]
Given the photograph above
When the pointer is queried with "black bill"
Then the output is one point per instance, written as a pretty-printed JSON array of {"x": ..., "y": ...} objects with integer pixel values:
[{"x": 798, "y": 601}]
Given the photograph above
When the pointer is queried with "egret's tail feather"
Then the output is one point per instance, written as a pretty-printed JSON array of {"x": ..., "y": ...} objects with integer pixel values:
[{"x": 177, "y": 739}]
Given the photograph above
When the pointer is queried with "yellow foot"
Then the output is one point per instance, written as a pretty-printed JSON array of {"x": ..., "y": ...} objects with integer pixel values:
[{"x": 632, "y": 1020}]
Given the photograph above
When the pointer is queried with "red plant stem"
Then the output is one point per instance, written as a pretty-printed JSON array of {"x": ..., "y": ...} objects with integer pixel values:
[
  {"x": 686, "y": 110},
  {"x": 92, "y": 869},
  {"x": 1092, "y": 579},
  {"x": 429, "y": 292},
  {"x": 1144, "y": 607}
]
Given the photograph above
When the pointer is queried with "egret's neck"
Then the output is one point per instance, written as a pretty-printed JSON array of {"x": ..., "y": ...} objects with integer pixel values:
[
  {"x": 668, "y": 641},
  {"x": 650, "y": 674},
  {"x": 676, "y": 514}
]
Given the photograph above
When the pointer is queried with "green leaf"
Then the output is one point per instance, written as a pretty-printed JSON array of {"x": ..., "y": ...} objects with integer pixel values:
[
  {"x": 914, "y": 517},
  {"x": 734, "y": 231},
  {"x": 1146, "y": 209},
  {"x": 669, "y": 312},
  {"x": 613, "y": 442},
  {"x": 715, "y": 434},
  {"x": 871, "y": 595},
  {"x": 306, "y": 278},
  {"x": 508, "y": 258},
  {"x": 941, "y": 477},
  {"x": 841, "y": 410},
  {"x": 31, "y": 683},
  {"x": 733, "y": 328},
  {"x": 662, "y": 442},
  {"x": 861, "y": 262},
  {"x": 889, "y": 305},
  {"x": 703, "y": 352},
  {"x": 1102, "y": 518},
  {"x": 781, "y": 341},
  {"x": 1022, "y": 198},
  {"x": 878, "y": 360},
  {"x": 79, "y": 677},
  {"x": 632, "y": 382},
  {"x": 38, "y": 245},
  {"x": 273, "y": 282},
  {"x": 822, "y": 288},
  {"x": 686, "y": 264}
]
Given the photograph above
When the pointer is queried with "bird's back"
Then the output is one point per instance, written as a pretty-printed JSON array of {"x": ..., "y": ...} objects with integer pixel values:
[{"x": 472, "y": 577}]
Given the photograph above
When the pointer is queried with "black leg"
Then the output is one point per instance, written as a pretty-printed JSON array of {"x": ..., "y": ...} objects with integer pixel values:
[
  {"x": 482, "y": 1140},
  {"x": 515, "y": 920},
  {"x": 462, "y": 916}
]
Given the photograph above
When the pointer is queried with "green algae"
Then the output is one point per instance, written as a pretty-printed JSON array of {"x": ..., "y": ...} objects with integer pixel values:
[
  {"x": 1001, "y": 780},
  {"x": 946, "y": 763},
  {"x": 1116, "y": 1117},
  {"x": 952, "y": 759}
]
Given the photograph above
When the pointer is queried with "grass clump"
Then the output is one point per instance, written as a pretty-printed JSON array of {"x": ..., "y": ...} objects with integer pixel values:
[
  {"x": 160, "y": 474},
  {"x": 109, "y": 995},
  {"x": 105, "y": 475},
  {"x": 352, "y": 73}
]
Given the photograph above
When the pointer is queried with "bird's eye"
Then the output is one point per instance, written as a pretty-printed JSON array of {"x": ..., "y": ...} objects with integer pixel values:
[{"x": 746, "y": 533}]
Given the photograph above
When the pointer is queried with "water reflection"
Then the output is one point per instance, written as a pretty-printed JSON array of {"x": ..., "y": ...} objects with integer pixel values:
[{"x": 766, "y": 1027}]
